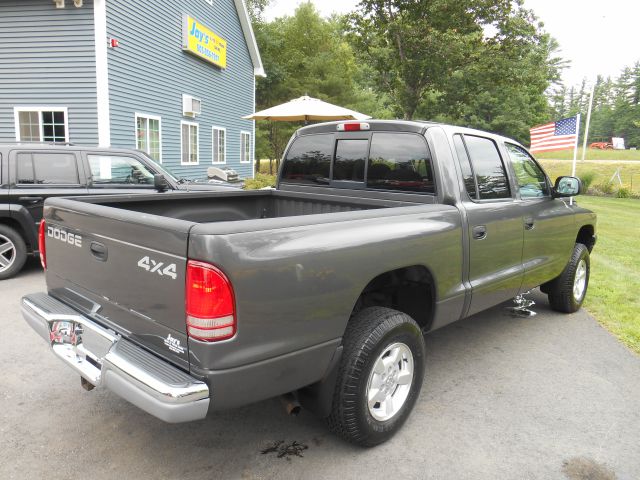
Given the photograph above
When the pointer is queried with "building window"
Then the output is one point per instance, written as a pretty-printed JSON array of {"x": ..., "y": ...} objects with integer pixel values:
[
  {"x": 189, "y": 143},
  {"x": 245, "y": 147},
  {"x": 219, "y": 144},
  {"x": 148, "y": 136},
  {"x": 41, "y": 124}
]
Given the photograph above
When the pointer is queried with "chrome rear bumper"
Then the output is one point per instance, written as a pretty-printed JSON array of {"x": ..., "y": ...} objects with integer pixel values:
[{"x": 104, "y": 358}]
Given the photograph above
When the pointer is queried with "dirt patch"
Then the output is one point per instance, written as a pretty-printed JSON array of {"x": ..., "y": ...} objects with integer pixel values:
[{"x": 581, "y": 468}]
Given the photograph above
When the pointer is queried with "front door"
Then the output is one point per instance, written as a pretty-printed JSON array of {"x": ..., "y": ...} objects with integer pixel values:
[
  {"x": 549, "y": 230},
  {"x": 494, "y": 223}
]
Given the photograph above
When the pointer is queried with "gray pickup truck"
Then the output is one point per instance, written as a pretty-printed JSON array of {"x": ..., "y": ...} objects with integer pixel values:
[{"x": 320, "y": 290}]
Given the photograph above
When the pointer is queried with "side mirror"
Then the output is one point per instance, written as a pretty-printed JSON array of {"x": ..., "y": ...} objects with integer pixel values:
[
  {"x": 567, "y": 187},
  {"x": 160, "y": 183}
]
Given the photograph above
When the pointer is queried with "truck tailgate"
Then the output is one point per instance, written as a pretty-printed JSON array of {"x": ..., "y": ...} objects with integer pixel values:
[{"x": 123, "y": 269}]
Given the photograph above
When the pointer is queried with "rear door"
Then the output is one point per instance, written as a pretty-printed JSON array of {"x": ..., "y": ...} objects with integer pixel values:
[
  {"x": 39, "y": 174},
  {"x": 494, "y": 223}
]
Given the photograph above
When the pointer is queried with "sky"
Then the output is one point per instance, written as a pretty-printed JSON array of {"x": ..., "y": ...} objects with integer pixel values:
[{"x": 597, "y": 37}]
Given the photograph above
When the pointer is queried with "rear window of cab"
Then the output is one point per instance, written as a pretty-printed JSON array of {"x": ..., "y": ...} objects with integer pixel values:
[{"x": 384, "y": 161}]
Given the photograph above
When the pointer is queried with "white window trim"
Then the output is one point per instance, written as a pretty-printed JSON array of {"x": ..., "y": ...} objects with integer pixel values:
[
  {"x": 213, "y": 128},
  {"x": 196, "y": 124},
  {"x": 245, "y": 132},
  {"x": 40, "y": 109},
  {"x": 151, "y": 117}
]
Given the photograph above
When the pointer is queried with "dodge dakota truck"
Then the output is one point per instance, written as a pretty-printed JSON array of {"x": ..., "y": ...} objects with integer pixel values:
[{"x": 320, "y": 290}]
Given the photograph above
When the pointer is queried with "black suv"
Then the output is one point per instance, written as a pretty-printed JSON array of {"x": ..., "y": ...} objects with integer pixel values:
[{"x": 32, "y": 172}]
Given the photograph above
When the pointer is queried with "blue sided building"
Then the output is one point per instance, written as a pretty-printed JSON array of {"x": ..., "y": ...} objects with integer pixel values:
[{"x": 172, "y": 78}]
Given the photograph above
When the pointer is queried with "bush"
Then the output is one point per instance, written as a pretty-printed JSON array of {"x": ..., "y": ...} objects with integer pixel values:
[
  {"x": 587, "y": 179},
  {"x": 606, "y": 188},
  {"x": 623, "y": 192},
  {"x": 260, "y": 181}
]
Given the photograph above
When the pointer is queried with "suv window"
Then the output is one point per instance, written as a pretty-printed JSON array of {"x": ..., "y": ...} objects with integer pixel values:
[
  {"x": 400, "y": 161},
  {"x": 45, "y": 168},
  {"x": 118, "y": 170},
  {"x": 490, "y": 174},
  {"x": 532, "y": 182},
  {"x": 309, "y": 160}
]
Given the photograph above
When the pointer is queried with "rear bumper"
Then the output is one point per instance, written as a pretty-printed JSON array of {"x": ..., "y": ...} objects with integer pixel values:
[{"x": 104, "y": 358}]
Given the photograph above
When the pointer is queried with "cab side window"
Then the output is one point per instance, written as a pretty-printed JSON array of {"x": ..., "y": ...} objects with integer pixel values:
[
  {"x": 532, "y": 182},
  {"x": 490, "y": 174}
]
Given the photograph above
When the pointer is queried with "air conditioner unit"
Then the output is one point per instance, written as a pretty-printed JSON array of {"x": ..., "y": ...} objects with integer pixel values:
[
  {"x": 191, "y": 106},
  {"x": 225, "y": 174}
]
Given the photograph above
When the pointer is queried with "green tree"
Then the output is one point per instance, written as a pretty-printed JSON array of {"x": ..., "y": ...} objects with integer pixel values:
[{"x": 304, "y": 54}]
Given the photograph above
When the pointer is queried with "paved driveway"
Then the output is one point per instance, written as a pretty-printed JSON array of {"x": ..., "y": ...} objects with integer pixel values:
[{"x": 548, "y": 397}]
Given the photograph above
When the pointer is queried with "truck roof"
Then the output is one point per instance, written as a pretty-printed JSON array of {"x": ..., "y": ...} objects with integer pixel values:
[{"x": 414, "y": 126}]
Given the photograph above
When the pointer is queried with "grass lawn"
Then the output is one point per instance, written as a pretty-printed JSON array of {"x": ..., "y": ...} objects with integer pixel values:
[
  {"x": 614, "y": 288},
  {"x": 592, "y": 154},
  {"x": 604, "y": 170}
]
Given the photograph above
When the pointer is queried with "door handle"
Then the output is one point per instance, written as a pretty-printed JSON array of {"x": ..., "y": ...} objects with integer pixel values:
[
  {"x": 99, "y": 251},
  {"x": 30, "y": 199},
  {"x": 479, "y": 232},
  {"x": 529, "y": 223}
]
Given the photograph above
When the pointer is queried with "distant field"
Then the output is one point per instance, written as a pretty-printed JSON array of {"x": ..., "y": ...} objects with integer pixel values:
[
  {"x": 604, "y": 170},
  {"x": 613, "y": 296},
  {"x": 592, "y": 154}
]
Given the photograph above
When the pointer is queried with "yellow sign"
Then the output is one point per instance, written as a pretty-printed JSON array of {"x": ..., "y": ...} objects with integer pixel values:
[{"x": 202, "y": 42}]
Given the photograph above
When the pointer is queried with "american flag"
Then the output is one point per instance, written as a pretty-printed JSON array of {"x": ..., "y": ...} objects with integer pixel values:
[{"x": 559, "y": 135}]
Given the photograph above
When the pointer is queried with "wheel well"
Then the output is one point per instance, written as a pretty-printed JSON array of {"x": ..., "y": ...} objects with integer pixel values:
[
  {"x": 410, "y": 290},
  {"x": 585, "y": 236},
  {"x": 10, "y": 222}
]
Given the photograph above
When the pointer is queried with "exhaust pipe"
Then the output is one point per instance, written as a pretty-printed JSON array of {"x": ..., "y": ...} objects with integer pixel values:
[{"x": 291, "y": 404}]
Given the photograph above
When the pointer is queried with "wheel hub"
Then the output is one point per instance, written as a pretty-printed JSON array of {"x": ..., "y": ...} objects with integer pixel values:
[
  {"x": 390, "y": 381},
  {"x": 7, "y": 253},
  {"x": 580, "y": 281}
]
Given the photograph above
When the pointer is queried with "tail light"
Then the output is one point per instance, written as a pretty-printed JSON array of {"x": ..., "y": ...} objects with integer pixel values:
[
  {"x": 210, "y": 304},
  {"x": 41, "y": 245},
  {"x": 353, "y": 127}
]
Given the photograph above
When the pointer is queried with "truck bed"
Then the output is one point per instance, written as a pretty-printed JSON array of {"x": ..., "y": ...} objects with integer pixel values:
[{"x": 244, "y": 205}]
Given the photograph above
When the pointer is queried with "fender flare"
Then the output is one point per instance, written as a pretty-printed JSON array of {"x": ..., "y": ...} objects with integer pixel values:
[{"x": 21, "y": 215}]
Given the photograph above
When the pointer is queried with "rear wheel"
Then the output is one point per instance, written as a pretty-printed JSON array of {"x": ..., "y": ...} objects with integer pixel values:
[
  {"x": 13, "y": 252},
  {"x": 380, "y": 376},
  {"x": 567, "y": 292}
]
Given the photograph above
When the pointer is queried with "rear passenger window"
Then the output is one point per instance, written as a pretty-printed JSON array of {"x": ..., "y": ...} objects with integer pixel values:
[
  {"x": 400, "y": 161},
  {"x": 488, "y": 168},
  {"x": 43, "y": 168},
  {"x": 309, "y": 160},
  {"x": 465, "y": 165},
  {"x": 350, "y": 158}
]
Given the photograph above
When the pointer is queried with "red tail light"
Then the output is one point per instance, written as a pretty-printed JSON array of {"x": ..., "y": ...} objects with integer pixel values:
[
  {"x": 353, "y": 127},
  {"x": 210, "y": 305},
  {"x": 41, "y": 245}
]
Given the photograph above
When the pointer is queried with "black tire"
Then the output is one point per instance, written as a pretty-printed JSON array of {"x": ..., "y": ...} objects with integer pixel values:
[
  {"x": 561, "y": 290},
  {"x": 368, "y": 335},
  {"x": 9, "y": 237}
]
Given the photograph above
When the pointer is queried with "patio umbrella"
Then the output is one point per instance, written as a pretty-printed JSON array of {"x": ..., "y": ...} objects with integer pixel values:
[{"x": 306, "y": 109}]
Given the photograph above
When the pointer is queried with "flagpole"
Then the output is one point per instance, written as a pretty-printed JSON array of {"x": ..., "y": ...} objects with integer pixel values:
[
  {"x": 575, "y": 152},
  {"x": 586, "y": 129}
]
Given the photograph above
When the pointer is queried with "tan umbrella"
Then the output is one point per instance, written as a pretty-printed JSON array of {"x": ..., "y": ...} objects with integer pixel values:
[{"x": 307, "y": 109}]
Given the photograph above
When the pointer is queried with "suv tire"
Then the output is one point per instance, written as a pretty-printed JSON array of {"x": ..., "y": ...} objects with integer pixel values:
[{"x": 13, "y": 252}]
